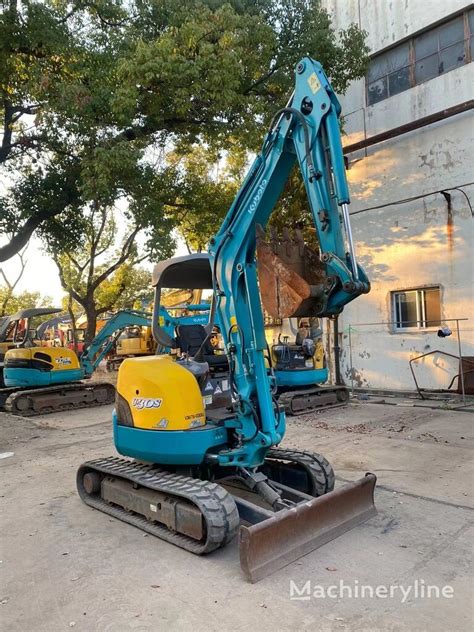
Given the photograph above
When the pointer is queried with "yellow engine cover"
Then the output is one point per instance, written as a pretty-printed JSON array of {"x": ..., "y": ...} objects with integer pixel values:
[
  {"x": 161, "y": 394},
  {"x": 56, "y": 358},
  {"x": 5, "y": 346}
]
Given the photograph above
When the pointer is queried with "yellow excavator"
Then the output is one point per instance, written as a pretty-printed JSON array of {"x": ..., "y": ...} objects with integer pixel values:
[
  {"x": 42, "y": 379},
  {"x": 199, "y": 475}
]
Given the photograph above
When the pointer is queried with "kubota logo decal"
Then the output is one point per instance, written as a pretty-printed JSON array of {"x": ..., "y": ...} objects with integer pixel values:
[
  {"x": 62, "y": 360},
  {"x": 257, "y": 197},
  {"x": 146, "y": 402}
]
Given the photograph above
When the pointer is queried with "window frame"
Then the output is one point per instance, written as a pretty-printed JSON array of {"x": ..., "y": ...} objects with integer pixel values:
[
  {"x": 468, "y": 38},
  {"x": 422, "y": 324}
]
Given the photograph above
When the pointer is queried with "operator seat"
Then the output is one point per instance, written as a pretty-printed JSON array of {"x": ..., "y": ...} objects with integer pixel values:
[{"x": 192, "y": 338}]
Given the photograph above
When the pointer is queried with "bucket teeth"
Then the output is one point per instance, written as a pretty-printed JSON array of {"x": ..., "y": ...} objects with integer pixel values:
[{"x": 291, "y": 275}]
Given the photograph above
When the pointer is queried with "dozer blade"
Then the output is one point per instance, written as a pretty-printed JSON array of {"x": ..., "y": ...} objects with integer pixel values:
[
  {"x": 291, "y": 276},
  {"x": 291, "y": 533}
]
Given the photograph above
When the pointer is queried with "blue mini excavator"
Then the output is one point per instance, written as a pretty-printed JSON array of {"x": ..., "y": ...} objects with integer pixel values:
[
  {"x": 197, "y": 476},
  {"x": 41, "y": 379}
]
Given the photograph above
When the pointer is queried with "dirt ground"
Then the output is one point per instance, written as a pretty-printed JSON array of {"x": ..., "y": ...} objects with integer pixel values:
[{"x": 64, "y": 565}]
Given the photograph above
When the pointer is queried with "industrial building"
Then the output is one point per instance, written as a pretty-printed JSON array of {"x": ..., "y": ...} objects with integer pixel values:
[{"x": 409, "y": 143}]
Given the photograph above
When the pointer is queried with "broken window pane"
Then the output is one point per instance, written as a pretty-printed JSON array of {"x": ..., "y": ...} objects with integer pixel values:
[
  {"x": 426, "y": 44},
  {"x": 436, "y": 51},
  {"x": 377, "y": 91},
  {"x": 427, "y": 68},
  {"x": 399, "y": 81},
  {"x": 388, "y": 62},
  {"x": 451, "y": 57},
  {"x": 451, "y": 32}
]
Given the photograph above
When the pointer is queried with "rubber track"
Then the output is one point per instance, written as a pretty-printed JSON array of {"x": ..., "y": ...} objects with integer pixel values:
[
  {"x": 215, "y": 503},
  {"x": 17, "y": 394},
  {"x": 286, "y": 398},
  {"x": 316, "y": 466}
]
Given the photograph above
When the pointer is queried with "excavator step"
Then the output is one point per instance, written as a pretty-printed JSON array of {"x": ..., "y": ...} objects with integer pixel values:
[{"x": 40, "y": 401}]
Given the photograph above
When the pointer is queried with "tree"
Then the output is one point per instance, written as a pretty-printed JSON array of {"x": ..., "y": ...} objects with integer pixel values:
[
  {"x": 14, "y": 302},
  {"x": 206, "y": 193},
  {"x": 129, "y": 288},
  {"x": 114, "y": 87},
  {"x": 98, "y": 272},
  {"x": 6, "y": 292}
]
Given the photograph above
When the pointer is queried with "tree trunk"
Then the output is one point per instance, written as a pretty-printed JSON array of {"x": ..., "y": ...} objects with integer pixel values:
[
  {"x": 91, "y": 314},
  {"x": 73, "y": 323}
]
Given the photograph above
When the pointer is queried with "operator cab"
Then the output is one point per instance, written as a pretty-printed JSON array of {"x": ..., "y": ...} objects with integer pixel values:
[
  {"x": 194, "y": 341},
  {"x": 23, "y": 326}
]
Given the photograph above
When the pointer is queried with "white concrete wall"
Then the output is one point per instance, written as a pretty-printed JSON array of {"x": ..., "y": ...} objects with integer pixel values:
[{"x": 409, "y": 245}]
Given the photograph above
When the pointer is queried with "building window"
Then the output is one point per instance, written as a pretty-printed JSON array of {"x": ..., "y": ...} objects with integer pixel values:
[
  {"x": 416, "y": 309},
  {"x": 428, "y": 55}
]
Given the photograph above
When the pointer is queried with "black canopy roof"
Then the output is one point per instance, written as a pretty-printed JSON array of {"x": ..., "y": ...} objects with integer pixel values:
[
  {"x": 25, "y": 313},
  {"x": 188, "y": 272},
  {"x": 35, "y": 311}
]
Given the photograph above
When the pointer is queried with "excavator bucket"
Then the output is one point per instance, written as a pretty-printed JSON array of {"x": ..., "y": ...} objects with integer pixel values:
[
  {"x": 287, "y": 535},
  {"x": 291, "y": 275}
]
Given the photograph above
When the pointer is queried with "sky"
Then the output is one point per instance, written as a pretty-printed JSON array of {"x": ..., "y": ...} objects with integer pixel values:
[{"x": 41, "y": 274}]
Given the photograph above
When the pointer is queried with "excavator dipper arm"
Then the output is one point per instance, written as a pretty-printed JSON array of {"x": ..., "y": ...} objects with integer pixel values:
[{"x": 307, "y": 131}]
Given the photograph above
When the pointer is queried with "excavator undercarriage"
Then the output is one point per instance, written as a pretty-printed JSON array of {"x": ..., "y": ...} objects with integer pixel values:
[
  {"x": 292, "y": 493},
  {"x": 40, "y": 401}
]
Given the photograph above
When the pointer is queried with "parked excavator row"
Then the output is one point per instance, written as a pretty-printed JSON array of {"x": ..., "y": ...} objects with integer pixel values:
[
  {"x": 41, "y": 379},
  {"x": 197, "y": 472}
]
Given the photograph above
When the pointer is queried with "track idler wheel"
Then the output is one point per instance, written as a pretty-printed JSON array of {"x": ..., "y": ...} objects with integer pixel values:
[{"x": 91, "y": 482}]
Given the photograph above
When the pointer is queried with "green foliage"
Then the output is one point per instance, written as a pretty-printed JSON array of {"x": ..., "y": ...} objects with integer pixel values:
[
  {"x": 211, "y": 70},
  {"x": 113, "y": 87},
  {"x": 12, "y": 303},
  {"x": 98, "y": 272},
  {"x": 206, "y": 194},
  {"x": 129, "y": 288},
  {"x": 125, "y": 120}
]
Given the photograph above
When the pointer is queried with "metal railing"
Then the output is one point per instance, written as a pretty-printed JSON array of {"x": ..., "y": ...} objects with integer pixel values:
[{"x": 351, "y": 330}]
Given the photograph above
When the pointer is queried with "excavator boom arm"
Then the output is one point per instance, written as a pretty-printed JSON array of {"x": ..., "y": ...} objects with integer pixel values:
[
  {"x": 307, "y": 131},
  {"x": 104, "y": 340}
]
